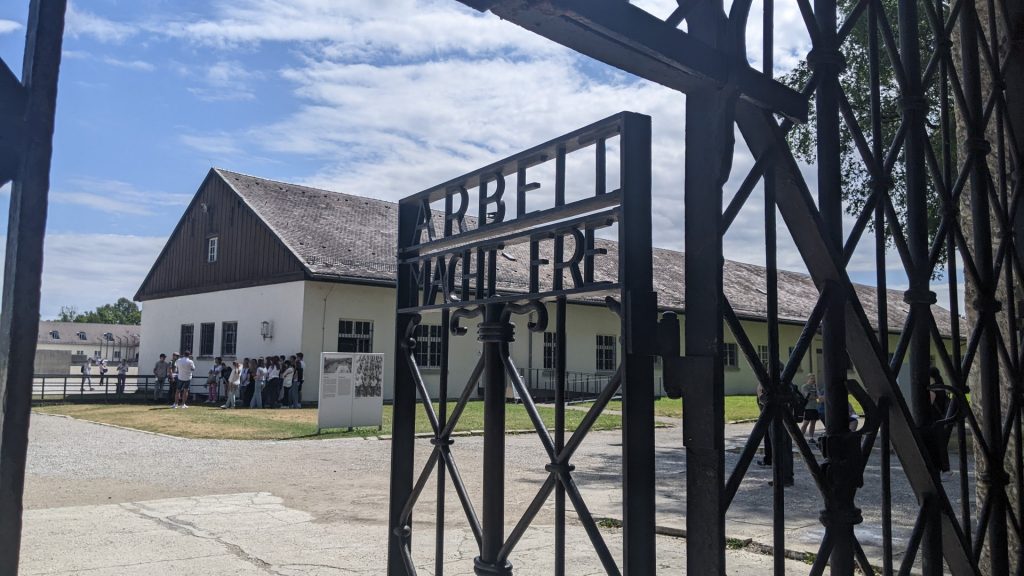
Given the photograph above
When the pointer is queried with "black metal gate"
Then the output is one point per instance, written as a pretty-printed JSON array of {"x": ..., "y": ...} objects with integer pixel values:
[
  {"x": 951, "y": 118},
  {"x": 457, "y": 267}
]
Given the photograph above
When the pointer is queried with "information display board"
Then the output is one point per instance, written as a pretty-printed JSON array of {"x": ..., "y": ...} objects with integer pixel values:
[{"x": 351, "y": 390}]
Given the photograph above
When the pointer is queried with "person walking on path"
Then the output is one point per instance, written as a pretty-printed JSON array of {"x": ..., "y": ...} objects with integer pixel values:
[
  {"x": 160, "y": 372},
  {"x": 231, "y": 386},
  {"x": 86, "y": 375},
  {"x": 122, "y": 375},
  {"x": 186, "y": 367},
  {"x": 811, "y": 411}
]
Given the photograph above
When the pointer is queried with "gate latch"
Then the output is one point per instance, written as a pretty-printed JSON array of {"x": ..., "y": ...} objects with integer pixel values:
[{"x": 669, "y": 348}]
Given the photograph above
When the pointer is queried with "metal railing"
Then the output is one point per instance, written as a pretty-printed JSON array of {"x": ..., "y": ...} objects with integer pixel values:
[{"x": 77, "y": 388}]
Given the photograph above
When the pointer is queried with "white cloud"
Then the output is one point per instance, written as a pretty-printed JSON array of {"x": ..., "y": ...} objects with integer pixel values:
[
  {"x": 89, "y": 270},
  {"x": 81, "y": 23},
  {"x": 226, "y": 80},
  {"x": 220, "y": 145},
  {"x": 8, "y": 26},
  {"x": 139, "y": 65},
  {"x": 115, "y": 197}
]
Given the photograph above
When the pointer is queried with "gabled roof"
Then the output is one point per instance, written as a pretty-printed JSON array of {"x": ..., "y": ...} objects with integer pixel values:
[{"x": 346, "y": 238}]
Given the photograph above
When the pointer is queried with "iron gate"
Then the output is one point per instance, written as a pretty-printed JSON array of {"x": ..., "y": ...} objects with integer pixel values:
[
  {"x": 956, "y": 138},
  {"x": 457, "y": 267}
]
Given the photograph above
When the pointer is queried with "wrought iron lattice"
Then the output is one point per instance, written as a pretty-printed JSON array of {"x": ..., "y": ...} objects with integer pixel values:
[
  {"x": 965, "y": 168},
  {"x": 454, "y": 273}
]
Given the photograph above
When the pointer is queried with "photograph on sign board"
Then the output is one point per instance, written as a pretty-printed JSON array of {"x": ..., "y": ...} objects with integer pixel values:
[
  {"x": 338, "y": 365},
  {"x": 369, "y": 376}
]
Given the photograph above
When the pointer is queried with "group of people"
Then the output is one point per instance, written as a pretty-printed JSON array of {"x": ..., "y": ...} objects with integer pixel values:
[
  {"x": 101, "y": 367},
  {"x": 270, "y": 382}
]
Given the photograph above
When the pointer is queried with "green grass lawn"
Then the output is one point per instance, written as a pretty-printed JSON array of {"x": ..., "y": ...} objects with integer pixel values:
[
  {"x": 209, "y": 422},
  {"x": 737, "y": 408}
]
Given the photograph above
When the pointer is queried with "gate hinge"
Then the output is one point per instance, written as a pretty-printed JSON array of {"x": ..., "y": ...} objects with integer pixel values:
[{"x": 668, "y": 346}]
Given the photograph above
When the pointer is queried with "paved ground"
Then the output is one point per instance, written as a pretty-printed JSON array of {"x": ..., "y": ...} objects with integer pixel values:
[{"x": 103, "y": 501}]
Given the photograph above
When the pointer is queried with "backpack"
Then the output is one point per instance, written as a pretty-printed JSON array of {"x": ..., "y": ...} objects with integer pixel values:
[{"x": 82, "y": 368}]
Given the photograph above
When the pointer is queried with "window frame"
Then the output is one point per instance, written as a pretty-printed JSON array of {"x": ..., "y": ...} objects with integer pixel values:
[
  {"x": 359, "y": 339},
  {"x": 428, "y": 346},
  {"x": 212, "y": 249},
  {"x": 764, "y": 354},
  {"x": 606, "y": 352},
  {"x": 206, "y": 347},
  {"x": 224, "y": 339},
  {"x": 183, "y": 345},
  {"x": 55, "y": 334},
  {"x": 550, "y": 351},
  {"x": 730, "y": 355}
]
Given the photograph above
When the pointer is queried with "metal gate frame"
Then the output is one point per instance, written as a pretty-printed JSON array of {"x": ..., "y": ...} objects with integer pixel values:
[
  {"x": 709, "y": 64},
  {"x": 27, "y": 111},
  {"x": 429, "y": 267}
]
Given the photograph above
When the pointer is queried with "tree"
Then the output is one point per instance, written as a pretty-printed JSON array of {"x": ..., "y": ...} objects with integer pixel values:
[{"x": 124, "y": 311}]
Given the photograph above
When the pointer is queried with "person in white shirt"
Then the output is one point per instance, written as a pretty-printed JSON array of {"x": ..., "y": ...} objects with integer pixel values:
[
  {"x": 186, "y": 367},
  {"x": 288, "y": 381},
  {"x": 86, "y": 375},
  {"x": 232, "y": 385}
]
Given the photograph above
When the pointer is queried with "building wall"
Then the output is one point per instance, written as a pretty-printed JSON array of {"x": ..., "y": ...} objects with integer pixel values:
[
  {"x": 306, "y": 317},
  {"x": 280, "y": 304}
]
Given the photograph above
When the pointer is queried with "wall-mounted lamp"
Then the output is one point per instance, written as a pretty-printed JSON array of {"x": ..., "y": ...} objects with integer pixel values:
[{"x": 266, "y": 329}]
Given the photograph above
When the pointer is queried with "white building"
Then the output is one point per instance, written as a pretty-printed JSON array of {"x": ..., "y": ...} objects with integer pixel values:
[
  {"x": 79, "y": 340},
  {"x": 257, "y": 268}
]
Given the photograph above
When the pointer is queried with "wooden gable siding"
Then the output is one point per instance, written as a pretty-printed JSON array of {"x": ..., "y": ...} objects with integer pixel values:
[{"x": 249, "y": 254}]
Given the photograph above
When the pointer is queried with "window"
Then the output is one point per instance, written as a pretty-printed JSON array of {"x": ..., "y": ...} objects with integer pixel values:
[
  {"x": 428, "y": 346},
  {"x": 762, "y": 353},
  {"x": 79, "y": 352},
  {"x": 605, "y": 353},
  {"x": 355, "y": 336},
  {"x": 211, "y": 249},
  {"x": 206, "y": 339},
  {"x": 228, "y": 338},
  {"x": 95, "y": 353},
  {"x": 108, "y": 336},
  {"x": 81, "y": 335},
  {"x": 187, "y": 338},
  {"x": 730, "y": 355},
  {"x": 117, "y": 354},
  {"x": 54, "y": 335},
  {"x": 550, "y": 350}
]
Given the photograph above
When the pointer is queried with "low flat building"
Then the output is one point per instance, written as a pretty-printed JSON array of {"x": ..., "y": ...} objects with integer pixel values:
[
  {"x": 257, "y": 267},
  {"x": 61, "y": 345}
]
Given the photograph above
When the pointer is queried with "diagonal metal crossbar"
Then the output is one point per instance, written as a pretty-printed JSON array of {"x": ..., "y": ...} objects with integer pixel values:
[{"x": 449, "y": 267}]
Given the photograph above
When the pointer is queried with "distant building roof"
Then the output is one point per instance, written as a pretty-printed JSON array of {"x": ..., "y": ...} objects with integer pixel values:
[
  {"x": 55, "y": 332},
  {"x": 340, "y": 237}
]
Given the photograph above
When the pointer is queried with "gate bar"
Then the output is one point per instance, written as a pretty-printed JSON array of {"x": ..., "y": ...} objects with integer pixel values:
[{"x": 29, "y": 107}]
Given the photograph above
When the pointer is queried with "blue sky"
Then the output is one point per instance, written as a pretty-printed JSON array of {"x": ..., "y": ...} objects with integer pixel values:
[{"x": 374, "y": 97}]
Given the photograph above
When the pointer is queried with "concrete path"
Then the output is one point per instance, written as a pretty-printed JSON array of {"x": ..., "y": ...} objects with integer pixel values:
[{"x": 103, "y": 500}]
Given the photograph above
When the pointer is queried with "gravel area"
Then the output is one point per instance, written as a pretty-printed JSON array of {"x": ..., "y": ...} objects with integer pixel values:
[{"x": 74, "y": 463}]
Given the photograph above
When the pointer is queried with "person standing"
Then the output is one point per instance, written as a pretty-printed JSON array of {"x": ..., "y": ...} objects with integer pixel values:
[
  {"x": 122, "y": 375},
  {"x": 245, "y": 385},
  {"x": 258, "y": 385},
  {"x": 811, "y": 414},
  {"x": 288, "y": 381},
  {"x": 103, "y": 373},
  {"x": 172, "y": 379},
  {"x": 300, "y": 374},
  {"x": 762, "y": 403},
  {"x": 231, "y": 385},
  {"x": 273, "y": 384},
  {"x": 213, "y": 381},
  {"x": 185, "y": 367},
  {"x": 86, "y": 375},
  {"x": 160, "y": 371}
]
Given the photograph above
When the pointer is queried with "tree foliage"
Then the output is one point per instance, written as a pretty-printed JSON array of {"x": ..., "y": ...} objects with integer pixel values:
[
  {"x": 124, "y": 311},
  {"x": 856, "y": 81}
]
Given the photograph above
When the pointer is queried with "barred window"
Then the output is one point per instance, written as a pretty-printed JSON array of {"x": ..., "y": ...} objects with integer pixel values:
[
  {"x": 428, "y": 346},
  {"x": 355, "y": 336},
  {"x": 605, "y": 353},
  {"x": 550, "y": 350},
  {"x": 730, "y": 355},
  {"x": 206, "y": 339},
  {"x": 228, "y": 338},
  {"x": 188, "y": 332}
]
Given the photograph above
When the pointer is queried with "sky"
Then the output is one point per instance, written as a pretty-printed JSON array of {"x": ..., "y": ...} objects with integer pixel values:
[{"x": 381, "y": 98}]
